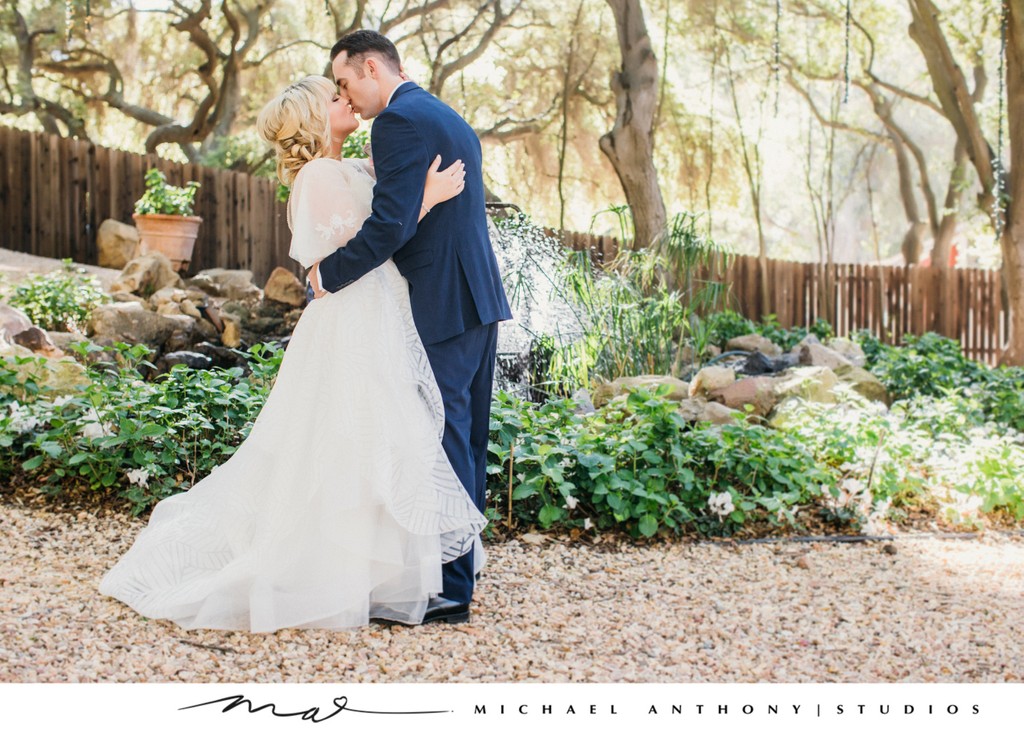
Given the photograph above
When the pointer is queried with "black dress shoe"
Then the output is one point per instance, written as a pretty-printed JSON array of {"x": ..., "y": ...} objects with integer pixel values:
[{"x": 440, "y": 609}]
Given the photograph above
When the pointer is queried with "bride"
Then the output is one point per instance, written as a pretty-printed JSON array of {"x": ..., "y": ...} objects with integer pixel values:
[{"x": 340, "y": 506}]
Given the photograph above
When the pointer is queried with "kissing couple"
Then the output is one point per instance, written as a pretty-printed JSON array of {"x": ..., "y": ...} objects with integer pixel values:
[{"x": 359, "y": 492}]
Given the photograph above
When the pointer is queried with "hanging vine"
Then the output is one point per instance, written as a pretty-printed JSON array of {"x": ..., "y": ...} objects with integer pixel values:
[
  {"x": 999, "y": 205},
  {"x": 846, "y": 59},
  {"x": 69, "y": 17},
  {"x": 69, "y": 20},
  {"x": 711, "y": 118},
  {"x": 777, "y": 50}
]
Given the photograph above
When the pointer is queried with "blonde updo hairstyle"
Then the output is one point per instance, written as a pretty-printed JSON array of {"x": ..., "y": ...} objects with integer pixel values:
[{"x": 297, "y": 123}]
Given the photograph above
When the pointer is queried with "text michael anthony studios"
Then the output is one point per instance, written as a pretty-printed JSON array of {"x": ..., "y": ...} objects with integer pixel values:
[{"x": 725, "y": 709}]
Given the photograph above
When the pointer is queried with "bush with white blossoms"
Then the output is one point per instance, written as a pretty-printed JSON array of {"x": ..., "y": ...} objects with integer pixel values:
[{"x": 924, "y": 450}]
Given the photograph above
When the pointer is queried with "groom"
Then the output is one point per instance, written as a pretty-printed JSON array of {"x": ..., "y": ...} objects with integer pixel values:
[{"x": 454, "y": 284}]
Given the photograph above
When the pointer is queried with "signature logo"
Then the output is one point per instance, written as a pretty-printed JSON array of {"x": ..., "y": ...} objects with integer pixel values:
[{"x": 312, "y": 714}]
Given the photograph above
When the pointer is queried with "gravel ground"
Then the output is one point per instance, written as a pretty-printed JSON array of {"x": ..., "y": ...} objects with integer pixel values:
[{"x": 921, "y": 610}]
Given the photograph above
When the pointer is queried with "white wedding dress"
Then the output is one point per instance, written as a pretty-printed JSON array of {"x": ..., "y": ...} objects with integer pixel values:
[{"x": 341, "y": 505}]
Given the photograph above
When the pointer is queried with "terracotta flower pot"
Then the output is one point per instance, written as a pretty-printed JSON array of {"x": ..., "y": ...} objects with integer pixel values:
[{"x": 173, "y": 235}]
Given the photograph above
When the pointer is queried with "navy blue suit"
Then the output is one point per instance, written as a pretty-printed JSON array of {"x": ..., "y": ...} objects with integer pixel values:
[{"x": 454, "y": 284}]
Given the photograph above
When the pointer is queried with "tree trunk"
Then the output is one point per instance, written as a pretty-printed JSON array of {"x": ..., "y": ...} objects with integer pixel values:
[
  {"x": 1013, "y": 234},
  {"x": 912, "y": 246},
  {"x": 630, "y": 143},
  {"x": 944, "y": 236},
  {"x": 950, "y": 85}
]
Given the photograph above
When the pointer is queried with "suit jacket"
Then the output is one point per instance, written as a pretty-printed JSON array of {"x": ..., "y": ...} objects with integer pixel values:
[{"x": 454, "y": 282}]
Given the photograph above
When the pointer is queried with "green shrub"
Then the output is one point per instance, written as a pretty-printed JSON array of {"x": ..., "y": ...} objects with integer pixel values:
[
  {"x": 725, "y": 325},
  {"x": 925, "y": 365},
  {"x": 641, "y": 468},
  {"x": 934, "y": 366},
  {"x": 60, "y": 300},
  {"x": 143, "y": 440}
]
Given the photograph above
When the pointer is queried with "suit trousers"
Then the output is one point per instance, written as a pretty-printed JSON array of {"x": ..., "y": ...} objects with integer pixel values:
[{"x": 464, "y": 369}]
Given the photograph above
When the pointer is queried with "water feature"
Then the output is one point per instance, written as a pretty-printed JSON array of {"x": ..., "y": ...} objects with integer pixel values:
[{"x": 533, "y": 266}]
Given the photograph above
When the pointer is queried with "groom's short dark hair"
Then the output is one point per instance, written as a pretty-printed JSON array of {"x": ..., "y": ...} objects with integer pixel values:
[{"x": 358, "y": 44}]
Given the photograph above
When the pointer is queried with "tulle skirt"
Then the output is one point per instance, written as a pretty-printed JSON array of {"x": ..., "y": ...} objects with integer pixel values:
[{"x": 339, "y": 507}]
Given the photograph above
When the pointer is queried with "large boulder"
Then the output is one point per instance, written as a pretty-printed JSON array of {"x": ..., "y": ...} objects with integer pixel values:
[
  {"x": 753, "y": 343},
  {"x": 809, "y": 339},
  {"x": 757, "y": 392},
  {"x": 849, "y": 349},
  {"x": 12, "y": 321},
  {"x": 38, "y": 341},
  {"x": 17, "y": 328},
  {"x": 809, "y": 383},
  {"x": 282, "y": 286},
  {"x": 117, "y": 244},
  {"x": 235, "y": 285},
  {"x": 604, "y": 393},
  {"x": 711, "y": 378},
  {"x": 817, "y": 355},
  {"x": 61, "y": 376},
  {"x": 131, "y": 323},
  {"x": 147, "y": 274},
  {"x": 64, "y": 339},
  {"x": 697, "y": 410},
  {"x": 864, "y": 383}
]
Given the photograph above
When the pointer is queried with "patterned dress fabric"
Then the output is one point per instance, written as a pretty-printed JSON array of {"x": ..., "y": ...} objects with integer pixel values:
[{"x": 340, "y": 506}]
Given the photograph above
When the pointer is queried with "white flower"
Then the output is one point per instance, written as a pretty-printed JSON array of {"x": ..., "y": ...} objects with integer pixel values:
[
  {"x": 22, "y": 420},
  {"x": 94, "y": 428},
  {"x": 139, "y": 477},
  {"x": 61, "y": 400},
  {"x": 721, "y": 504},
  {"x": 587, "y": 524},
  {"x": 571, "y": 502}
]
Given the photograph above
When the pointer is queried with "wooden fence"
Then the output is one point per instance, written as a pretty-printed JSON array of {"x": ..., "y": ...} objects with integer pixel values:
[
  {"x": 55, "y": 192},
  {"x": 963, "y": 304}
]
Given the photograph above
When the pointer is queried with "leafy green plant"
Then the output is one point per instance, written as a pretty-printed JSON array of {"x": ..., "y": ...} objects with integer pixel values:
[
  {"x": 355, "y": 145},
  {"x": 162, "y": 198},
  {"x": 726, "y": 324},
  {"x": 640, "y": 467},
  {"x": 934, "y": 366},
  {"x": 60, "y": 300},
  {"x": 925, "y": 365},
  {"x": 141, "y": 440}
]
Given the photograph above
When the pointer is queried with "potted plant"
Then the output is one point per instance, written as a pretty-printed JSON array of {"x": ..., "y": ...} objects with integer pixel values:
[{"x": 164, "y": 218}]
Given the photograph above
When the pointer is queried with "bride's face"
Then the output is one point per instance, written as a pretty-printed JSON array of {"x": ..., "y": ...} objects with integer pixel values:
[{"x": 343, "y": 120}]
